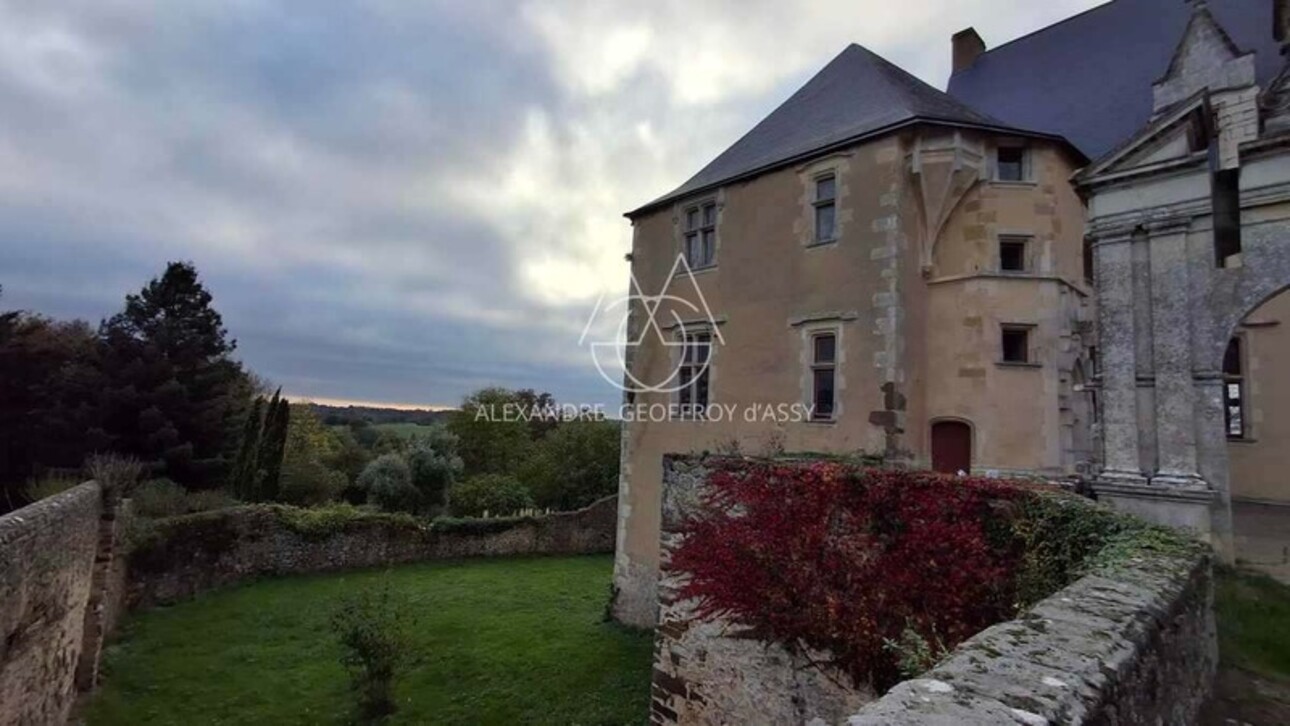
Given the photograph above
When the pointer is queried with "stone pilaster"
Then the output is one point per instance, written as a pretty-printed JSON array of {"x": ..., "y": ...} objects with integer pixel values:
[
  {"x": 1118, "y": 366},
  {"x": 1175, "y": 404}
]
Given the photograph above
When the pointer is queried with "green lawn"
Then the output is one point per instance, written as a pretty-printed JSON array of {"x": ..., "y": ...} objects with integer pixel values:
[
  {"x": 1253, "y": 622},
  {"x": 512, "y": 641},
  {"x": 1253, "y": 681}
]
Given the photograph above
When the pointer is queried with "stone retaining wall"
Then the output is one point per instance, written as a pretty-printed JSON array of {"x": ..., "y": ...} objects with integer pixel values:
[
  {"x": 1135, "y": 644},
  {"x": 67, "y": 575},
  {"x": 187, "y": 555},
  {"x": 47, "y": 553}
]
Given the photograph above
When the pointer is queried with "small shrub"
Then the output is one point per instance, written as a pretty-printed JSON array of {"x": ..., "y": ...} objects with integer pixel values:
[
  {"x": 848, "y": 561},
  {"x": 322, "y": 522},
  {"x": 373, "y": 629},
  {"x": 913, "y": 653},
  {"x": 209, "y": 500},
  {"x": 493, "y": 494},
  {"x": 161, "y": 498},
  {"x": 388, "y": 483},
  {"x": 158, "y": 498},
  {"x": 38, "y": 489},
  {"x": 116, "y": 473},
  {"x": 309, "y": 482}
]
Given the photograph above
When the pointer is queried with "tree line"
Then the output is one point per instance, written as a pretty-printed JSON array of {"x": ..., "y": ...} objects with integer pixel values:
[{"x": 157, "y": 382}]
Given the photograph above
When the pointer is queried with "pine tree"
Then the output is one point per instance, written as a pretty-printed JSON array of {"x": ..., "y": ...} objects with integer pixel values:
[{"x": 175, "y": 397}]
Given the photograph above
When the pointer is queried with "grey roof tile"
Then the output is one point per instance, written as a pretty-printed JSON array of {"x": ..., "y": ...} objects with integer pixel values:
[
  {"x": 857, "y": 94},
  {"x": 1089, "y": 77}
]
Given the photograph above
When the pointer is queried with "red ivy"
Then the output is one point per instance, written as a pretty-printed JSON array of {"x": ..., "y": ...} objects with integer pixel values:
[{"x": 843, "y": 559}]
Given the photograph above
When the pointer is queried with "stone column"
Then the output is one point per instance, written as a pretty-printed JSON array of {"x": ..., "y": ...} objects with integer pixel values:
[
  {"x": 1171, "y": 333},
  {"x": 1212, "y": 460},
  {"x": 1118, "y": 360}
]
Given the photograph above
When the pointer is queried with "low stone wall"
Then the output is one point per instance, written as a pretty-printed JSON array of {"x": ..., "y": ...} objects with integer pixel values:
[
  {"x": 47, "y": 553},
  {"x": 184, "y": 556},
  {"x": 1131, "y": 644}
]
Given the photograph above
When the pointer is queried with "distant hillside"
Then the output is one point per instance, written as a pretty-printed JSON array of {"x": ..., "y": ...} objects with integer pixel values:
[{"x": 341, "y": 415}]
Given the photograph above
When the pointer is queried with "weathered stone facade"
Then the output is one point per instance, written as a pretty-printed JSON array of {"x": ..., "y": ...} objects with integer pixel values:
[
  {"x": 914, "y": 291},
  {"x": 1132, "y": 644},
  {"x": 1177, "y": 272},
  {"x": 47, "y": 562}
]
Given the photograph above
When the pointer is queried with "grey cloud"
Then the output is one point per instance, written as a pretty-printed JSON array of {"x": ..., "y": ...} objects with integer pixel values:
[{"x": 373, "y": 190}]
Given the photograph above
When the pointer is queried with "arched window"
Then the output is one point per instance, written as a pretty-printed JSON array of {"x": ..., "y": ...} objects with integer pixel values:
[{"x": 1234, "y": 390}]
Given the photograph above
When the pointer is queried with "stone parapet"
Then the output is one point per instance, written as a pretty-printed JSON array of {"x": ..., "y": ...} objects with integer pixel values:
[{"x": 1136, "y": 645}]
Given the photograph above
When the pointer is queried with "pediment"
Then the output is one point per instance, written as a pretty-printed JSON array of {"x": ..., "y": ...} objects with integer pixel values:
[{"x": 1176, "y": 136}]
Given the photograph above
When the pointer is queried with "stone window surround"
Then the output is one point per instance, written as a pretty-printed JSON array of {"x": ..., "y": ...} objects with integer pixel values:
[
  {"x": 838, "y": 166},
  {"x": 1247, "y": 423},
  {"x": 1030, "y": 265},
  {"x": 1033, "y": 358},
  {"x": 1249, "y": 394},
  {"x": 716, "y": 198},
  {"x": 808, "y": 328},
  {"x": 678, "y": 352},
  {"x": 817, "y": 202},
  {"x": 1028, "y": 176}
]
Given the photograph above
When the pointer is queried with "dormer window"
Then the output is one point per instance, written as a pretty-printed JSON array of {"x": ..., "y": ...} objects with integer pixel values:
[
  {"x": 826, "y": 193},
  {"x": 1012, "y": 163},
  {"x": 700, "y": 246}
]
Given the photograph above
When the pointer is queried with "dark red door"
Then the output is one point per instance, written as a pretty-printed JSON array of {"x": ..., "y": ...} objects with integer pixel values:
[{"x": 951, "y": 447}]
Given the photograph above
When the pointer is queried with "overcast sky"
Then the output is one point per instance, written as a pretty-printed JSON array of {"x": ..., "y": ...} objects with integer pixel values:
[{"x": 397, "y": 202}]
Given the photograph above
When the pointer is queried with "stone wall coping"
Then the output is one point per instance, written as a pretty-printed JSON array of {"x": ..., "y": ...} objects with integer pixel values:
[
  {"x": 20, "y": 522},
  {"x": 1058, "y": 662}
]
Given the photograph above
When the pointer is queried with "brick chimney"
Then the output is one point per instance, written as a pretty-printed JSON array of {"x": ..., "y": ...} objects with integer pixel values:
[{"x": 968, "y": 46}]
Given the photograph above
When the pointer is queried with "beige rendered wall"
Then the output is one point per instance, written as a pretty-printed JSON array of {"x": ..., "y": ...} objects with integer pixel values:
[
  {"x": 895, "y": 322},
  {"x": 1023, "y": 416},
  {"x": 1259, "y": 465}
]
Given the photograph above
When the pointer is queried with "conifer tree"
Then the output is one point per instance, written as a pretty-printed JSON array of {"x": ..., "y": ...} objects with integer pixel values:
[{"x": 242, "y": 478}]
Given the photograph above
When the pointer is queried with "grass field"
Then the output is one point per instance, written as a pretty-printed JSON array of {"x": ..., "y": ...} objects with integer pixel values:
[
  {"x": 514, "y": 641},
  {"x": 1253, "y": 681}
]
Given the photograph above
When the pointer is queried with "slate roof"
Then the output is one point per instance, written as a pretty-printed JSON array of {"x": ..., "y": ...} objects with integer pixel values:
[
  {"x": 1089, "y": 77},
  {"x": 857, "y": 95}
]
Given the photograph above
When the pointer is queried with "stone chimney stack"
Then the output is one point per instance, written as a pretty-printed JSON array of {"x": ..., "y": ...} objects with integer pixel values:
[{"x": 967, "y": 47}]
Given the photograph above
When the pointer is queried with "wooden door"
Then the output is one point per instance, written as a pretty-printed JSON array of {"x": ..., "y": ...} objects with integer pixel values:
[{"x": 951, "y": 447}]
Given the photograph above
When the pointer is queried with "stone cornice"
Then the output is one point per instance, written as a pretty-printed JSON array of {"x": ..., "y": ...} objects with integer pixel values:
[{"x": 1152, "y": 219}]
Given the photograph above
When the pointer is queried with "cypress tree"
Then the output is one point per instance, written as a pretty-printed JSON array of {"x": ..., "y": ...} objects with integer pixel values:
[
  {"x": 242, "y": 477},
  {"x": 274, "y": 446},
  {"x": 263, "y": 455}
]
